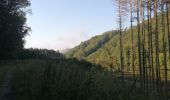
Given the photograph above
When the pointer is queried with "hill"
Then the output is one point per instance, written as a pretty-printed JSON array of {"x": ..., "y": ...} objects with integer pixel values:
[
  {"x": 89, "y": 47},
  {"x": 107, "y": 53},
  {"x": 102, "y": 49}
]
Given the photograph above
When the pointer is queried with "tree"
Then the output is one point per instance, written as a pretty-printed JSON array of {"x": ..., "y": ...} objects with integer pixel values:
[
  {"x": 142, "y": 6},
  {"x": 151, "y": 44},
  {"x": 13, "y": 27},
  {"x": 132, "y": 39},
  {"x": 157, "y": 47},
  {"x": 149, "y": 31},
  {"x": 139, "y": 41},
  {"x": 164, "y": 48},
  {"x": 122, "y": 7}
]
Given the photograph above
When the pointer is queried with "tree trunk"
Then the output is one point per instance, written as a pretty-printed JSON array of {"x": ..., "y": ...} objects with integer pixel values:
[
  {"x": 139, "y": 46},
  {"x": 164, "y": 50},
  {"x": 157, "y": 48},
  {"x": 132, "y": 37},
  {"x": 121, "y": 45}
]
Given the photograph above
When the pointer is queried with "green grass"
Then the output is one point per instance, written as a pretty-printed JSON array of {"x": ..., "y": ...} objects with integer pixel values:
[
  {"x": 69, "y": 80},
  {"x": 4, "y": 67}
]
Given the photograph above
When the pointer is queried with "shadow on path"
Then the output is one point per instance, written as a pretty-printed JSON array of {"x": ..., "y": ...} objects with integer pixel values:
[{"x": 6, "y": 86}]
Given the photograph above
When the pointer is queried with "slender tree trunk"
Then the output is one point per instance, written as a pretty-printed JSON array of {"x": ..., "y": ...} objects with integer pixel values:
[
  {"x": 157, "y": 48},
  {"x": 167, "y": 16},
  {"x": 132, "y": 37},
  {"x": 145, "y": 65},
  {"x": 143, "y": 44},
  {"x": 149, "y": 46},
  {"x": 168, "y": 29},
  {"x": 164, "y": 50},
  {"x": 121, "y": 45},
  {"x": 139, "y": 44}
]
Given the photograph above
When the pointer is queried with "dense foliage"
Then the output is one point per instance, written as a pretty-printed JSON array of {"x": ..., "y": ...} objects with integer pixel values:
[
  {"x": 13, "y": 27},
  {"x": 89, "y": 47},
  {"x": 39, "y": 54}
]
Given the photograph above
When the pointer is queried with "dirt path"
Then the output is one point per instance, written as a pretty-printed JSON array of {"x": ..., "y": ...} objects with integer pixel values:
[{"x": 5, "y": 87}]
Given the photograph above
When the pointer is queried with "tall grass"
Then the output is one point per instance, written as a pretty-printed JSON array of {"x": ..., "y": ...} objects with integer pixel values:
[{"x": 69, "y": 80}]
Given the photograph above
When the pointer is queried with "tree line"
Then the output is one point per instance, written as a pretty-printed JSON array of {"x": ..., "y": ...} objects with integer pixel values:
[
  {"x": 40, "y": 54},
  {"x": 152, "y": 19},
  {"x": 13, "y": 27}
]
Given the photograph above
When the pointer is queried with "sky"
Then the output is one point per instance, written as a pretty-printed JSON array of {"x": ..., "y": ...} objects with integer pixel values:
[{"x": 62, "y": 24}]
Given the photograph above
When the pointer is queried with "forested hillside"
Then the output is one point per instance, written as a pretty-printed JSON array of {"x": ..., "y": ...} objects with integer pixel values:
[
  {"x": 124, "y": 64},
  {"x": 107, "y": 54},
  {"x": 89, "y": 47}
]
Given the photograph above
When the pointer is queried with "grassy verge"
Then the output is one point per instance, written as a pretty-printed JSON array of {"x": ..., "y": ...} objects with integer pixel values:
[
  {"x": 4, "y": 67},
  {"x": 69, "y": 80}
]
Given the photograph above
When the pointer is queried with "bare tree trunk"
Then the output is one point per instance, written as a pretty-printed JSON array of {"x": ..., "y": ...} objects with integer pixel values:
[
  {"x": 121, "y": 45},
  {"x": 157, "y": 48},
  {"x": 132, "y": 37},
  {"x": 145, "y": 65},
  {"x": 143, "y": 44},
  {"x": 166, "y": 69},
  {"x": 139, "y": 44},
  {"x": 167, "y": 16},
  {"x": 149, "y": 46},
  {"x": 164, "y": 49}
]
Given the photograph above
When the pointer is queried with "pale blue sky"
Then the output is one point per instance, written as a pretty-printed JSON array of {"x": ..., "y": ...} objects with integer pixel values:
[{"x": 60, "y": 24}]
